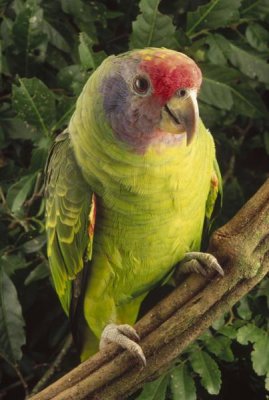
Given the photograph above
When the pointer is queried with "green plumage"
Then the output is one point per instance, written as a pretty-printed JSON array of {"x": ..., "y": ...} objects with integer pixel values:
[{"x": 150, "y": 209}]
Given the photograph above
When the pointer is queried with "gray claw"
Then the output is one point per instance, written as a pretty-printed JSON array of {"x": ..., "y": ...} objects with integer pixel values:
[
  {"x": 200, "y": 263},
  {"x": 126, "y": 337}
]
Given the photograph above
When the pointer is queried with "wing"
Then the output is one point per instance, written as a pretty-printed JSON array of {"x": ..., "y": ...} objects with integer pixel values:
[
  {"x": 215, "y": 195},
  {"x": 70, "y": 218}
]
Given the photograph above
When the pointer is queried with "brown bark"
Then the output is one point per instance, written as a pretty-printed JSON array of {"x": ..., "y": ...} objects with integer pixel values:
[{"x": 242, "y": 248}]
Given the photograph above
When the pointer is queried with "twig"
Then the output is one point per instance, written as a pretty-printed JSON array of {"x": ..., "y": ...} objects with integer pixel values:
[
  {"x": 54, "y": 366},
  {"x": 22, "y": 380},
  {"x": 37, "y": 192}
]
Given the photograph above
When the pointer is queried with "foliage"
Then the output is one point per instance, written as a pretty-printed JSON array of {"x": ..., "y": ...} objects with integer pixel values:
[{"x": 48, "y": 50}]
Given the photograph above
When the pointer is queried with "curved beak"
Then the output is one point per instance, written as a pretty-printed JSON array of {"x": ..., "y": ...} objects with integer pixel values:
[{"x": 181, "y": 114}]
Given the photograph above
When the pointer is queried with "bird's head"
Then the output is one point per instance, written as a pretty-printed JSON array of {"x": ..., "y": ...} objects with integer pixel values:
[{"x": 150, "y": 96}]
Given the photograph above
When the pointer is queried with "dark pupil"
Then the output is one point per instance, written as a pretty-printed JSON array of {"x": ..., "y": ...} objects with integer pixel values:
[
  {"x": 141, "y": 85},
  {"x": 182, "y": 92}
]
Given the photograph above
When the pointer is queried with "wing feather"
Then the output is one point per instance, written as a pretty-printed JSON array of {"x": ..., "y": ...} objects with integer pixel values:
[{"x": 68, "y": 207}]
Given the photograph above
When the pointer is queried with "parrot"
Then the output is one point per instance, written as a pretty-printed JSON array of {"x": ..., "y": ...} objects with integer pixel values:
[{"x": 129, "y": 186}]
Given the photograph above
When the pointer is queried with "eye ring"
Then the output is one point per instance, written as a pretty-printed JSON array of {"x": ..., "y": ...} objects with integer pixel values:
[
  {"x": 181, "y": 92},
  {"x": 141, "y": 85}
]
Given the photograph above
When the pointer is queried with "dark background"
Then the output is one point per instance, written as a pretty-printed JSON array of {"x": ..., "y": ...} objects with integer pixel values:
[{"x": 48, "y": 50}]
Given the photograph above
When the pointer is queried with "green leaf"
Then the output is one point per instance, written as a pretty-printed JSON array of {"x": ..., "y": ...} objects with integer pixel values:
[
  {"x": 243, "y": 309},
  {"x": 35, "y": 104},
  {"x": 263, "y": 289},
  {"x": 207, "y": 368},
  {"x": 12, "y": 262},
  {"x": 28, "y": 33},
  {"x": 260, "y": 355},
  {"x": 267, "y": 382},
  {"x": 84, "y": 14},
  {"x": 257, "y": 9},
  {"x": 249, "y": 333},
  {"x": 55, "y": 38},
  {"x": 215, "y": 92},
  {"x": 221, "y": 347},
  {"x": 18, "y": 192},
  {"x": 89, "y": 59},
  {"x": 248, "y": 102},
  {"x": 213, "y": 15},
  {"x": 155, "y": 390},
  {"x": 34, "y": 245},
  {"x": 182, "y": 384},
  {"x": 257, "y": 37},
  {"x": 64, "y": 110},
  {"x": 221, "y": 89},
  {"x": 218, "y": 323},
  {"x": 152, "y": 28},
  {"x": 229, "y": 331},
  {"x": 12, "y": 335},
  {"x": 215, "y": 52},
  {"x": 73, "y": 78},
  {"x": 40, "y": 272},
  {"x": 247, "y": 61}
]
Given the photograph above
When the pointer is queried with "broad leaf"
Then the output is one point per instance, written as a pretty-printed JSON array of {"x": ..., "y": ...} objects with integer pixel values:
[
  {"x": 249, "y": 333},
  {"x": 155, "y": 390},
  {"x": 182, "y": 384},
  {"x": 243, "y": 309},
  {"x": 221, "y": 89},
  {"x": 19, "y": 192},
  {"x": 35, "y": 244},
  {"x": 215, "y": 52},
  {"x": 28, "y": 33},
  {"x": 221, "y": 347},
  {"x": 40, "y": 272},
  {"x": 257, "y": 37},
  {"x": 73, "y": 78},
  {"x": 263, "y": 289},
  {"x": 12, "y": 335},
  {"x": 260, "y": 355},
  {"x": 215, "y": 14},
  {"x": 84, "y": 14},
  {"x": 218, "y": 323},
  {"x": 258, "y": 9},
  {"x": 216, "y": 93},
  {"x": 229, "y": 331},
  {"x": 208, "y": 370},
  {"x": 12, "y": 262},
  {"x": 247, "y": 61},
  {"x": 55, "y": 38},
  {"x": 35, "y": 104},
  {"x": 152, "y": 28},
  {"x": 89, "y": 59},
  {"x": 267, "y": 382}
]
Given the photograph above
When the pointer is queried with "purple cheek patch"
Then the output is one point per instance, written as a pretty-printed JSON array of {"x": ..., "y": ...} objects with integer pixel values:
[{"x": 133, "y": 118}]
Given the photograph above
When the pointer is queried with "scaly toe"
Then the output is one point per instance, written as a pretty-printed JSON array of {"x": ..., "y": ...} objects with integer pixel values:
[
  {"x": 201, "y": 263},
  {"x": 125, "y": 336}
]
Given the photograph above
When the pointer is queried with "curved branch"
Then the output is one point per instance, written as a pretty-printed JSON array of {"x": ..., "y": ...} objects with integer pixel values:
[{"x": 241, "y": 247}]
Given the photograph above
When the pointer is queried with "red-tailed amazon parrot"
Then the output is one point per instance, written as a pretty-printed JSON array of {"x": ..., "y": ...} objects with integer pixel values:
[{"x": 129, "y": 185}]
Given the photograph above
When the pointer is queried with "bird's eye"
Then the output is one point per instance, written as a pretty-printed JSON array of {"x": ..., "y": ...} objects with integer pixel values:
[
  {"x": 181, "y": 92},
  {"x": 141, "y": 85}
]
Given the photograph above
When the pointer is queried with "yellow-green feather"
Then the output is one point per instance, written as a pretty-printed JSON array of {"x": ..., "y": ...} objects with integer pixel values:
[{"x": 150, "y": 211}]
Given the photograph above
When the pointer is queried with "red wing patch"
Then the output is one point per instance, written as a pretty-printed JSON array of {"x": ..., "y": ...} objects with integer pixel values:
[{"x": 92, "y": 217}]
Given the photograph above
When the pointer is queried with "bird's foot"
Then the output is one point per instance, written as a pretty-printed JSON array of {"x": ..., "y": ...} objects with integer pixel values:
[
  {"x": 126, "y": 337},
  {"x": 201, "y": 263}
]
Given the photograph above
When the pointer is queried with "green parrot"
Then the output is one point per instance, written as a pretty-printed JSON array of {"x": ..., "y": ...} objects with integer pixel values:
[{"x": 129, "y": 185}]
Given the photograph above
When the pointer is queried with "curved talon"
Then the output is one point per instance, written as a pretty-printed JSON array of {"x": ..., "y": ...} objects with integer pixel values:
[
  {"x": 126, "y": 337},
  {"x": 199, "y": 262}
]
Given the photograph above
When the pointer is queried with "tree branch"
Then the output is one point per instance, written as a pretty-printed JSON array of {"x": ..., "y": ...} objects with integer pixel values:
[{"x": 241, "y": 247}]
